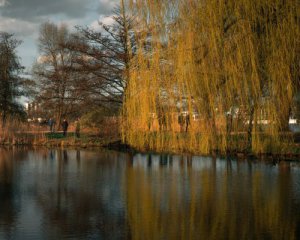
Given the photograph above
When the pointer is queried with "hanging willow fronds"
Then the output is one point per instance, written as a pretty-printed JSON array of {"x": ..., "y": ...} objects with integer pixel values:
[{"x": 227, "y": 70}]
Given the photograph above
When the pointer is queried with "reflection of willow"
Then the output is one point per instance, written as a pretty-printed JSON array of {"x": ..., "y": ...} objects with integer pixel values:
[
  {"x": 189, "y": 204},
  {"x": 234, "y": 63}
]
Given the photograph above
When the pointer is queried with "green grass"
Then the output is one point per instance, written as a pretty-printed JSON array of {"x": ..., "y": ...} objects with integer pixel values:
[{"x": 57, "y": 135}]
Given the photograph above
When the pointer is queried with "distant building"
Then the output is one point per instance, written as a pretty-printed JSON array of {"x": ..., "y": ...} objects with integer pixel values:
[{"x": 35, "y": 112}]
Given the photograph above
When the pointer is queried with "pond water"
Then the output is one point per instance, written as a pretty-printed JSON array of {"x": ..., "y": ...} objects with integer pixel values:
[{"x": 92, "y": 194}]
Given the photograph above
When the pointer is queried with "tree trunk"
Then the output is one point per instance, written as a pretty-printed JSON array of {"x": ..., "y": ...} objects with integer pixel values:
[
  {"x": 58, "y": 122},
  {"x": 250, "y": 129},
  {"x": 4, "y": 117},
  {"x": 284, "y": 120}
]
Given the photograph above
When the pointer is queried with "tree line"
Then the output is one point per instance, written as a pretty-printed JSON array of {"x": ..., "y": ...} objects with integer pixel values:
[
  {"x": 233, "y": 64},
  {"x": 84, "y": 70},
  {"x": 77, "y": 72}
]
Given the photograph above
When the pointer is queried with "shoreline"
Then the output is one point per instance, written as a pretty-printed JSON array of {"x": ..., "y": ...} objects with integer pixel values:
[{"x": 115, "y": 143}]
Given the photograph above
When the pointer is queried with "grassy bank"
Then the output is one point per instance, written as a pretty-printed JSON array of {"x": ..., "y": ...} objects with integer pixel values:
[
  {"x": 286, "y": 146},
  {"x": 237, "y": 144},
  {"x": 19, "y": 133},
  {"x": 58, "y": 140},
  {"x": 84, "y": 141}
]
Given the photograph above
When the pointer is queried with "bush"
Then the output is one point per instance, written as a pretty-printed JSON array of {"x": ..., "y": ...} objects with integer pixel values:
[{"x": 98, "y": 120}]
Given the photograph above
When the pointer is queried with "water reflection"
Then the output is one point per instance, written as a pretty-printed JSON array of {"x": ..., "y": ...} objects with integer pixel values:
[
  {"x": 63, "y": 194},
  {"x": 8, "y": 206}
]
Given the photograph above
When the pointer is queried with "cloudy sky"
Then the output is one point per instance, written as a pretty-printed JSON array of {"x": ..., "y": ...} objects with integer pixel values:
[{"x": 23, "y": 18}]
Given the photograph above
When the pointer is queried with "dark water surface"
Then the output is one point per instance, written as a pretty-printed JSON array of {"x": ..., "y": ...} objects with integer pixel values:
[{"x": 70, "y": 194}]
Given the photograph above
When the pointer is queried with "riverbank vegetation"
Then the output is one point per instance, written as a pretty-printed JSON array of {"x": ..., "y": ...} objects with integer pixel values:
[
  {"x": 36, "y": 134},
  {"x": 179, "y": 76}
]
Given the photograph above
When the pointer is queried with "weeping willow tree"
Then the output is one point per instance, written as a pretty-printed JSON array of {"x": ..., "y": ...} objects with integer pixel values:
[{"x": 233, "y": 64}]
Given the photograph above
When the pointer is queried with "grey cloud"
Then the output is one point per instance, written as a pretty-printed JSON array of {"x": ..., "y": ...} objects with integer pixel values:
[
  {"x": 35, "y": 10},
  {"x": 23, "y": 17},
  {"x": 18, "y": 27},
  {"x": 3, "y": 3},
  {"x": 105, "y": 7}
]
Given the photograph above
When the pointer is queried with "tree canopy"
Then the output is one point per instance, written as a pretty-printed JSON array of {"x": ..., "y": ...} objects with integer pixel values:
[{"x": 10, "y": 81}]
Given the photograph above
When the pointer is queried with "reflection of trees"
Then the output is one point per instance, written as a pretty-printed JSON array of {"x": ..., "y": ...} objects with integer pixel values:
[
  {"x": 9, "y": 207},
  {"x": 238, "y": 201},
  {"x": 76, "y": 200},
  {"x": 6, "y": 190},
  {"x": 80, "y": 194}
]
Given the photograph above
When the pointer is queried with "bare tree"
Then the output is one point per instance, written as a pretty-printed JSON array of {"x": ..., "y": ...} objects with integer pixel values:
[
  {"x": 59, "y": 93},
  {"x": 104, "y": 57}
]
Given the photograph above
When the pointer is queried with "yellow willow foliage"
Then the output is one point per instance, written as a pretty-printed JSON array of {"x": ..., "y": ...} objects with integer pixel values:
[{"x": 230, "y": 65}]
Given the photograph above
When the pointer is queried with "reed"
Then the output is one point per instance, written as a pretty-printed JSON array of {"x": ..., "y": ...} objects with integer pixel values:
[{"x": 18, "y": 132}]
